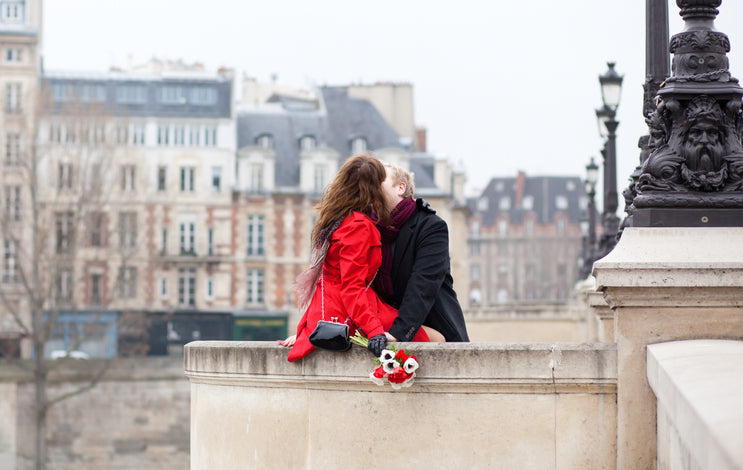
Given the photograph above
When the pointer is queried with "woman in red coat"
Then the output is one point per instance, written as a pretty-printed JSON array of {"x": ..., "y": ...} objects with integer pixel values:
[{"x": 347, "y": 254}]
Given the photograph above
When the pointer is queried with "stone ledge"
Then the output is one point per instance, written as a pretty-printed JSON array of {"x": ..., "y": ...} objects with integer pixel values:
[
  {"x": 674, "y": 267},
  {"x": 447, "y": 368},
  {"x": 698, "y": 385},
  {"x": 118, "y": 369}
]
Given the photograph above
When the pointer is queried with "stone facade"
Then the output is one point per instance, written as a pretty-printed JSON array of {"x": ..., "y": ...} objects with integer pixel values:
[
  {"x": 524, "y": 240},
  {"x": 20, "y": 44},
  {"x": 136, "y": 417}
]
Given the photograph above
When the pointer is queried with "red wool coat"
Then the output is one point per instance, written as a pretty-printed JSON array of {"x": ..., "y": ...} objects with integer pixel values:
[{"x": 353, "y": 258}]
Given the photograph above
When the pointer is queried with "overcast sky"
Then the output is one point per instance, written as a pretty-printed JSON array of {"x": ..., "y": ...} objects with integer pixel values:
[{"x": 501, "y": 86}]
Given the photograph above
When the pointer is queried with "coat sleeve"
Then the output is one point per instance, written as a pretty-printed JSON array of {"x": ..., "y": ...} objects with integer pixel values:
[
  {"x": 427, "y": 275},
  {"x": 355, "y": 245}
]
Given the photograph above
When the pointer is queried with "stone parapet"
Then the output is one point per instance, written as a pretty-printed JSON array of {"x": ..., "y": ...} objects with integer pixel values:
[
  {"x": 473, "y": 405},
  {"x": 665, "y": 284},
  {"x": 700, "y": 406}
]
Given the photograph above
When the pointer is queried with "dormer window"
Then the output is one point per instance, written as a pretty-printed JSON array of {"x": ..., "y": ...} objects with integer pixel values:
[
  {"x": 307, "y": 142},
  {"x": 264, "y": 141},
  {"x": 504, "y": 204},
  {"x": 482, "y": 204},
  {"x": 130, "y": 94},
  {"x": 561, "y": 202},
  {"x": 203, "y": 96},
  {"x": 358, "y": 145},
  {"x": 172, "y": 95},
  {"x": 528, "y": 203}
]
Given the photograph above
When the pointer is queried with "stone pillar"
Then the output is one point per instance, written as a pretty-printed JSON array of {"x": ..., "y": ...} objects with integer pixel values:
[
  {"x": 665, "y": 284},
  {"x": 599, "y": 317}
]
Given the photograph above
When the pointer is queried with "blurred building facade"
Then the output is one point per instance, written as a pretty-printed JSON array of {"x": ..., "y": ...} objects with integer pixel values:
[
  {"x": 175, "y": 213},
  {"x": 525, "y": 240},
  {"x": 20, "y": 64}
]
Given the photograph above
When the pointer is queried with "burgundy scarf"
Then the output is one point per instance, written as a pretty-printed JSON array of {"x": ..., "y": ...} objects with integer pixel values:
[{"x": 399, "y": 215}]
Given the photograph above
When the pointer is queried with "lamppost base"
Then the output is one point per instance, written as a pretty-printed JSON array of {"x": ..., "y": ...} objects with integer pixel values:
[{"x": 687, "y": 217}]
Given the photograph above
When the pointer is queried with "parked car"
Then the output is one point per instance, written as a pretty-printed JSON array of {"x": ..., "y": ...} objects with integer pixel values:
[{"x": 61, "y": 354}]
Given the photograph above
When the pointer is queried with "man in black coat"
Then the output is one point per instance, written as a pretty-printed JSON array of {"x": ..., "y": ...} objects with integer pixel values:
[{"x": 422, "y": 285}]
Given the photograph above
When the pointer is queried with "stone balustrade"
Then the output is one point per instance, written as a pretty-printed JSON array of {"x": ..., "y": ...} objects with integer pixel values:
[
  {"x": 474, "y": 405},
  {"x": 700, "y": 405}
]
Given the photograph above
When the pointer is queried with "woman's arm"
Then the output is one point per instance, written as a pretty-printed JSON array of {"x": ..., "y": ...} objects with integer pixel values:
[{"x": 356, "y": 241}]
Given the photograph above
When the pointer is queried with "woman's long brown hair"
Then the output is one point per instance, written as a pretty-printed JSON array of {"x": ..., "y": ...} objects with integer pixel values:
[{"x": 356, "y": 187}]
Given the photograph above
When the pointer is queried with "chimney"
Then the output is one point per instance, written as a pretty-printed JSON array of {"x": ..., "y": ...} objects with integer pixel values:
[
  {"x": 420, "y": 138},
  {"x": 520, "y": 183}
]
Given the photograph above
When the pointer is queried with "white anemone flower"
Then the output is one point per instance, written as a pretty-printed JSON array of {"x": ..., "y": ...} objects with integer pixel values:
[
  {"x": 397, "y": 386},
  {"x": 389, "y": 366},
  {"x": 411, "y": 365},
  {"x": 386, "y": 355}
]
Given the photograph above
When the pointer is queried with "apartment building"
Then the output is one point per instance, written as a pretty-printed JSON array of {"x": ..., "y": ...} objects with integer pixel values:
[
  {"x": 20, "y": 42},
  {"x": 524, "y": 239}
]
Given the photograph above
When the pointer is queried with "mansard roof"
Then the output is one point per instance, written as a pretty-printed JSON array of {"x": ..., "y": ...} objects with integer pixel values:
[
  {"x": 334, "y": 120},
  {"x": 286, "y": 127},
  {"x": 349, "y": 118},
  {"x": 114, "y": 82},
  {"x": 507, "y": 196}
]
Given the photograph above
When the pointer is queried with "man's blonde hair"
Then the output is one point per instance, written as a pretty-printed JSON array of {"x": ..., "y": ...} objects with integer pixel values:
[{"x": 401, "y": 175}]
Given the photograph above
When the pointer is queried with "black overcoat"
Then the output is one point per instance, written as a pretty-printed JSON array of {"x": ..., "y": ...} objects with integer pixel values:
[{"x": 421, "y": 278}]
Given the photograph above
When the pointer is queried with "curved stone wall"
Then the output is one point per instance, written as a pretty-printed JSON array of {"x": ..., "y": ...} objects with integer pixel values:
[{"x": 475, "y": 405}]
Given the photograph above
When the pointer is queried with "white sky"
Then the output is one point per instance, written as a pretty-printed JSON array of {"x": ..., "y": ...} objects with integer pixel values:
[{"x": 501, "y": 85}]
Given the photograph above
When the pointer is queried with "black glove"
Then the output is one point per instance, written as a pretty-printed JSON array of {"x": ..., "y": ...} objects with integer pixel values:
[{"x": 377, "y": 344}]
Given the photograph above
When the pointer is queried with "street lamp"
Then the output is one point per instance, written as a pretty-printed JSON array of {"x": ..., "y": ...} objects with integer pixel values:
[
  {"x": 611, "y": 91},
  {"x": 611, "y": 87},
  {"x": 592, "y": 177}
]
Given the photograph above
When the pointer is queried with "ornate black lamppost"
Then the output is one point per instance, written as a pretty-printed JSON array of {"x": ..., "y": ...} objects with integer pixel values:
[
  {"x": 589, "y": 247},
  {"x": 693, "y": 175},
  {"x": 611, "y": 90}
]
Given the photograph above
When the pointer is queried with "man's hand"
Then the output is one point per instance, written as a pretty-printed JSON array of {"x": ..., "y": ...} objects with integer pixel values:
[{"x": 377, "y": 344}]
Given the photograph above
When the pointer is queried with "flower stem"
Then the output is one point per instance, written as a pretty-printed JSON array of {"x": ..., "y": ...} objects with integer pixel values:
[{"x": 359, "y": 340}]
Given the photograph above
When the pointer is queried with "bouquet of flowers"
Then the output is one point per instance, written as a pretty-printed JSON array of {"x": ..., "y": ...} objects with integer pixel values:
[{"x": 395, "y": 366}]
